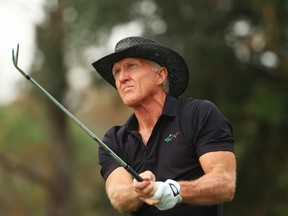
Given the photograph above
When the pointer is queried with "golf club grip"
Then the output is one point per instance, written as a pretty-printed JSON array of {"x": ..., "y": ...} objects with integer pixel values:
[{"x": 134, "y": 173}]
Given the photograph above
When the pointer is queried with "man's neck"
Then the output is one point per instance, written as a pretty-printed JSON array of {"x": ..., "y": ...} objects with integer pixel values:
[{"x": 148, "y": 113}]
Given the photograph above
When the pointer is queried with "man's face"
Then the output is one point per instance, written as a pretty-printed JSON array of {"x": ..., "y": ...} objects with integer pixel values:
[{"x": 135, "y": 80}]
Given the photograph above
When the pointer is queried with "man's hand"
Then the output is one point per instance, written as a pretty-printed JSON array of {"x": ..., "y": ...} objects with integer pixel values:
[
  {"x": 168, "y": 193},
  {"x": 147, "y": 188}
]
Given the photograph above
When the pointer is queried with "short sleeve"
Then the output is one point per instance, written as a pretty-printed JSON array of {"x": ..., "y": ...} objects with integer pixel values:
[
  {"x": 107, "y": 163},
  {"x": 213, "y": 131}
]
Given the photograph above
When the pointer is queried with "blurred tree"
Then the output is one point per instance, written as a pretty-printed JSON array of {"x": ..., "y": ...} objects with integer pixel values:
[
  {"x": 51, "y": 37},
  {"x": 57, "y": 178}
]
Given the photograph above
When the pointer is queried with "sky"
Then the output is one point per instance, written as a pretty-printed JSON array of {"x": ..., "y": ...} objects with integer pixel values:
[{"x": 17, "y": 20}]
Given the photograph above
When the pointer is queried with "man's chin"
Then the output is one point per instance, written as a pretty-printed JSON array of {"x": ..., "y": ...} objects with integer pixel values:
[{"x": 130, "y": 102}]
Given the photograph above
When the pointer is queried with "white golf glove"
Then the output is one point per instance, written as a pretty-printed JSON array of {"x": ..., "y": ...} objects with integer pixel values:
[{"x": 168, "y": 192}]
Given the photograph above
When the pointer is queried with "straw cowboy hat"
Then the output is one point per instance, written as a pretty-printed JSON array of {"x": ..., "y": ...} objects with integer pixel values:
[{"x": 140, "y": 47}]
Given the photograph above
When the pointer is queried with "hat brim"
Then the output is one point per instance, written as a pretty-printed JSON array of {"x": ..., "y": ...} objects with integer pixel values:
[{"x": 178, "y": 73}]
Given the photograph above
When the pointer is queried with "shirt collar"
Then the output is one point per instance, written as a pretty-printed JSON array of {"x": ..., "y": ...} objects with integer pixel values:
[
  {"x": 170, "y": 106},
  {"x": 169, "y": 109}
]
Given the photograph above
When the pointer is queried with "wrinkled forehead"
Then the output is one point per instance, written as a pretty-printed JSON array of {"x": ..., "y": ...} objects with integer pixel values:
[{"x": 130, "y": 60}]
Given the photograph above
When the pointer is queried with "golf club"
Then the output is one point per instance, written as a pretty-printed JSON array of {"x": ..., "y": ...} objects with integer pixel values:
[{"x": 79, "y": 123}]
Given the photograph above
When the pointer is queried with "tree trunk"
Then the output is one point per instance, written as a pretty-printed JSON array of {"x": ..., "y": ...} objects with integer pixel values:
[{"x": 51, "y": 43}]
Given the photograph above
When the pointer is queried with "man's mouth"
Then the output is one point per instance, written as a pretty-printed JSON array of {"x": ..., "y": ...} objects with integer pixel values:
[{"x": 127, "y": 88}]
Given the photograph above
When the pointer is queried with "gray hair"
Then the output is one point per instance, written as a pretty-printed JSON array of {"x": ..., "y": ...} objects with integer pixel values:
[{"x": 156, "y": 67}]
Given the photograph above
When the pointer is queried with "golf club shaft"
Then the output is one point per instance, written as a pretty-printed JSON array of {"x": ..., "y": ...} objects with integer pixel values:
[{"x": 78, "y": 122}]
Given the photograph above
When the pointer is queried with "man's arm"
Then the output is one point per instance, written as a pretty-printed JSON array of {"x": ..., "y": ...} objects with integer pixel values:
[
  {"x": 218, "y": 183},
  {"x": 126, "y": 194}
]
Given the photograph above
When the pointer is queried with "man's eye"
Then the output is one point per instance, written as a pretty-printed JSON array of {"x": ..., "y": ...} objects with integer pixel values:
[
  {"x": 132, "y": 66},
  {"x": 116, "y": 73}
]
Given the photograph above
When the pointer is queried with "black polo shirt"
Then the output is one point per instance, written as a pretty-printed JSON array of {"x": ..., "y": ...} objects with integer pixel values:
[{"x": 186, "y": 129}]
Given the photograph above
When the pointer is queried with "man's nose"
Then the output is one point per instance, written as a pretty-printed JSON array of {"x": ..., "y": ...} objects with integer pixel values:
[{"x": 123, "y": 76}]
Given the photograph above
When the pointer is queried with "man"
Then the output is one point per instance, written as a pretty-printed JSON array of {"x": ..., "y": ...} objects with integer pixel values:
[{"x": 182, "y": 148}]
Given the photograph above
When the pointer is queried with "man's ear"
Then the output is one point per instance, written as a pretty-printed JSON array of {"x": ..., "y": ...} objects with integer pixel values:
[{"x": 163, "y": 73}]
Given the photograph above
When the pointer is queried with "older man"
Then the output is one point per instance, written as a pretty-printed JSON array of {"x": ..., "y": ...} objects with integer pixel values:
[{"x": 182, "y": 147}]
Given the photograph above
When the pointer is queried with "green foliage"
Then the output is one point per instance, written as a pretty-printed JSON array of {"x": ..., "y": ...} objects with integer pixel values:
[
  {"x": 21, "y": 131},
  {"x": 266, "y": 105},
  {"x": 25, "y": 142},
  {"x": 22, "y": 140}
]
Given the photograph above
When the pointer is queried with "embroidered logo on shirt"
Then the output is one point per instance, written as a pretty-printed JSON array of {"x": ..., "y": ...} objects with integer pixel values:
[{"x": 171, "y": 137}]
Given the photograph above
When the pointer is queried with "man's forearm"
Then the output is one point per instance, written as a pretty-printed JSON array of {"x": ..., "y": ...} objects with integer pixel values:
[
  {"x": 212, "y": 188},
  {"x": 124, "y": 198}
]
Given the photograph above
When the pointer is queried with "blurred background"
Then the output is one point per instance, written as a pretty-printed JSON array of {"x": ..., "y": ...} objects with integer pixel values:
[{"x": 237, "y": 52}]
